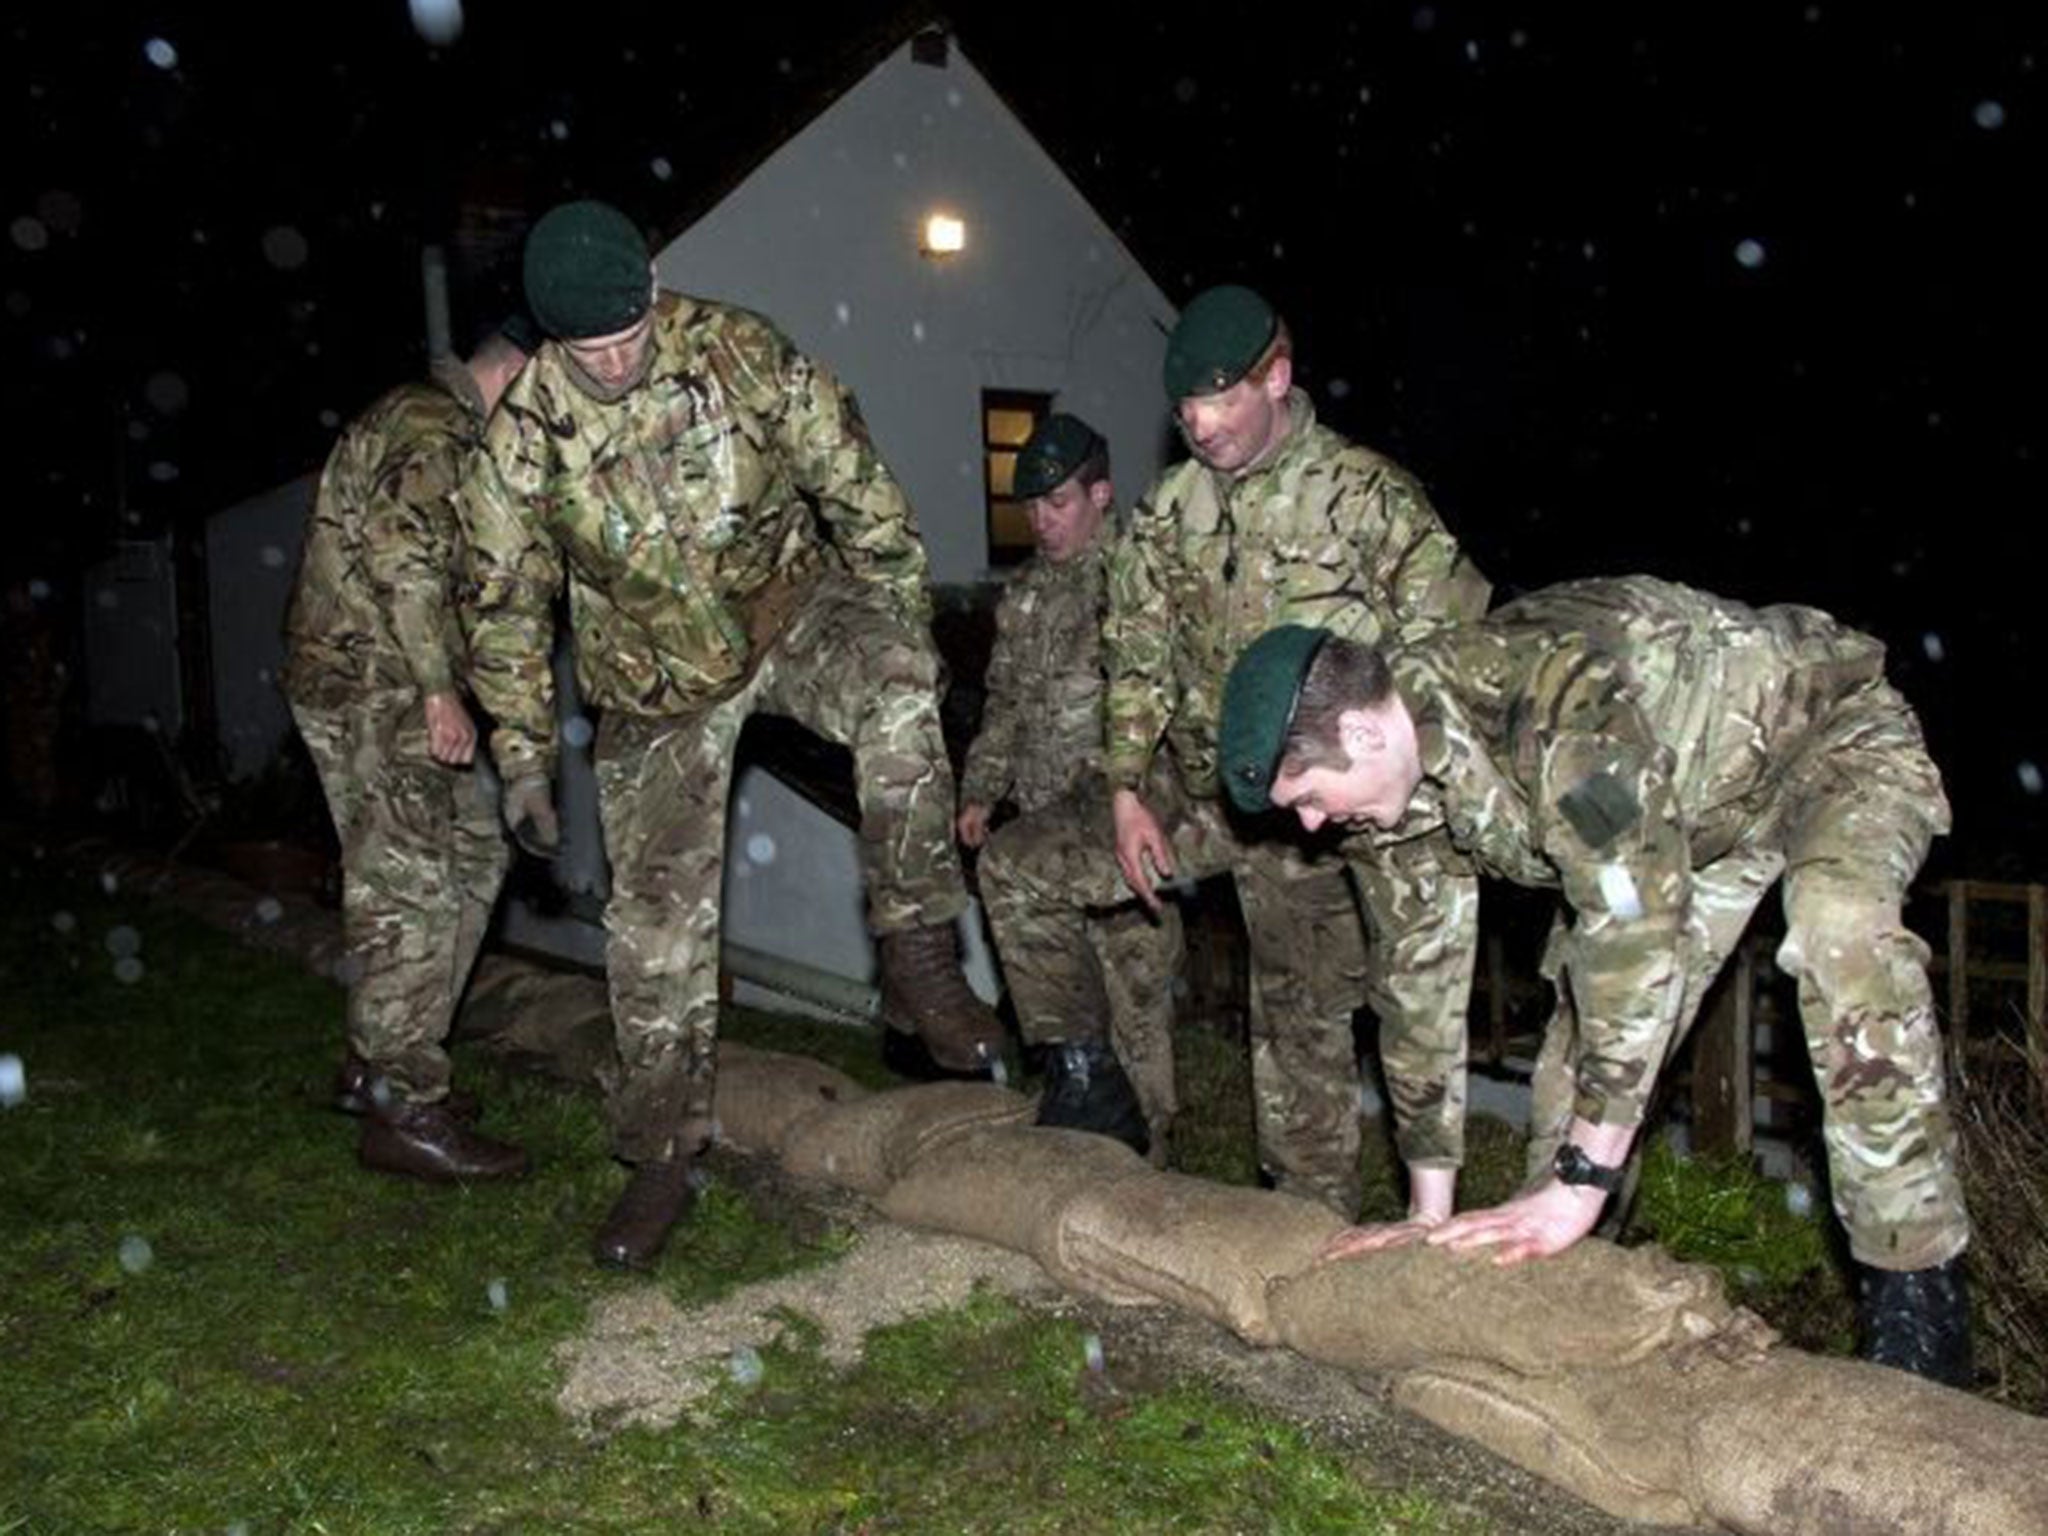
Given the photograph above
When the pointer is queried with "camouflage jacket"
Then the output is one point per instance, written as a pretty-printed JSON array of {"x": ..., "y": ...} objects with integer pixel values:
[
  {"x": 682, "y": 516},
  {"x": 373, "y": 609},
  {"x": 1324, "y": 532},
  {"x": 1606, "y": 738},
  {"x": 1041, "y": 728}
]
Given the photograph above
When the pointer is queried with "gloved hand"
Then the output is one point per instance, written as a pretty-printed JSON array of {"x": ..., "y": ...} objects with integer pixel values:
[{"x": 529, "y": 810}]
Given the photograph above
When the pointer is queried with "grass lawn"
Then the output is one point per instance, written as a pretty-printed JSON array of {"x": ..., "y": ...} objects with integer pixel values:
[{"x": 211, "y": 1320}]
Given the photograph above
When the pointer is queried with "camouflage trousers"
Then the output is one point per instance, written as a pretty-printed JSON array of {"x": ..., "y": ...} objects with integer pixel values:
[
  {"x": 1134, "y": 959},
  {"x": 1848, "y": 830},
  {"x": 849, "y": 665},
  {"x": 1308, "y": 960},
  {"x": 422, "y": 857}
]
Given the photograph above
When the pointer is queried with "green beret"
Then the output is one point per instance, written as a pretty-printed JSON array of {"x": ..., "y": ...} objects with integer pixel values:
[
  {"x": 586, "y": 271},
  {"x": 1221, "y": 334},
  {"x": 1258, "y": 706},
  {"x": 1061, "y": 445}
]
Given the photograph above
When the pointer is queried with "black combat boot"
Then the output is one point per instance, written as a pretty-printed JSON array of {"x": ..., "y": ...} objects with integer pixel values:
[
  {"x": 1086, "y": 1089},
  {"x": 924, "y": 994},
  {"x": 425, "y": 1141},
  {"x": 1917, "y": 1320},
  {"x": 653, "y": 1201}
]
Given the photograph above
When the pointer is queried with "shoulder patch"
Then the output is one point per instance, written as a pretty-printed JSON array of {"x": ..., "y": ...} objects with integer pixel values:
[{"x": 1600, "y": 808}]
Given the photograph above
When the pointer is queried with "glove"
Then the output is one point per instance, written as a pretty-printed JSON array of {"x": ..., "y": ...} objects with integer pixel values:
[{"x": 529, "y": 811}]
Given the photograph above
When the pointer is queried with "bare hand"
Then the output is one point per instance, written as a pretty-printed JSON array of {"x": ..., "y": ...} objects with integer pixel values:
[
  {"x": 1545, "y": 1221},
  {"x": 1140, "y": 837},
  {"x": 451, "y": 734},
  {"x": 971, "y": 826},
  {"x": 1377, "y": 1237}
]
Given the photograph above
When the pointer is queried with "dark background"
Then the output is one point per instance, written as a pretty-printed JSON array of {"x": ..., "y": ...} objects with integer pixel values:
[{"x": 1509, "y": 239}]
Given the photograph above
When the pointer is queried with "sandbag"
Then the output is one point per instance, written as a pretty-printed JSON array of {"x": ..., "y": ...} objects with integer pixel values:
[
  {"x": 1010, "y": 1185},
  {"x": 760, "y": 1095},
  {"x": 1805, "y": 1445},
  {"x": 1210, "y": 1248},
  {"x": 1615, "y": 1437},
  {"x": 558, "y": 1022},
  {"x": 1594, "y": 1304},
  {"x": 867, "y": 1145}
]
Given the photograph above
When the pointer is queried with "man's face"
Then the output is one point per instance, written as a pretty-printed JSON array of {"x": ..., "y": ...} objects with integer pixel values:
[
  {"x": 1374, "y": 790},
  {"x": 1232, "y": 430},
  {"x": 616, "y": 359},
  {"x": 1065, "y": 519}
]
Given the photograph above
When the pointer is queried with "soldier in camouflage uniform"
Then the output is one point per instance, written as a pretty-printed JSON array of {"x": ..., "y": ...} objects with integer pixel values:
[
  {"x": 731, "y": 542},
  {"x": 1274, "y": 517},
  {"x": 374, "y": 672},
  {"x": 1662, "y": 758},
  {"x": 1040, "y": 747}
]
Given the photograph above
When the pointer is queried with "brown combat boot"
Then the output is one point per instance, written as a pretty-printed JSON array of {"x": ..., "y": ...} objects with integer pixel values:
[
  {"x": 424, "y": 1141},
  {"x": 653, "y": 1201},
  {"x": 924, "y": 994}
]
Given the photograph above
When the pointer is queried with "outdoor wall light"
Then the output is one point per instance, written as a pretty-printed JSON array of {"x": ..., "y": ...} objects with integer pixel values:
[{"x": 944, "y": 235}]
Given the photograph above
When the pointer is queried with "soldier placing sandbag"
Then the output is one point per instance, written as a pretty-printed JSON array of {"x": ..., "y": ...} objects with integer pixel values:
[
  {"x": 1661, "y": 757},
  {"x": 731, "y": 543},
  {"x": 1274, "y": 517},
  {"x": 1109, "y": 1068}
]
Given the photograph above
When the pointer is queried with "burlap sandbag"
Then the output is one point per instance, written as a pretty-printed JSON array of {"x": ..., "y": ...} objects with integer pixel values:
[
  {"x": 1616, "y": 1437},
  {"x": 1803, "y": 1445},
  {"x": 868, "y": 1144},
  {"x": 761, "y": 1095},
  {"x": 558, "y": 1022},
  {"x": 1594, "y": 1304},
  {"x": 1010, "y": 1184},
  {"x": 1209, "y": 1248}
]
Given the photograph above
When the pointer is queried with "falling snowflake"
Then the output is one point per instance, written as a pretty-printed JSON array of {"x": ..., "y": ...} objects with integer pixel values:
[
  {"x": 1798, "y": 1200},
  {"x": 64, "y": 922},
  {"x": 1339, "y": 388},
  {"x": 135, "y": 1253},
  {"x": 761, "y": 848},
  {"x": 13, "y": 1081},
  {"x": 28, "y": 233},
  {"x": 163, "y": 471},
  {"x": 38, "y": 590},
  {"x": 330, "y": 419},
  {"x": 269, "y": 910},
  {"x": 109, "y": 881},
  {"x": 661, "y": 168},
  {"x": 558, "y": 129},
  {"x": 128, "y": 970},
  {"x": 917, "y": 331},
  {"x": 285, "y": 248},
  {"x": 1989, "y": 115},
  {"x": 1091, "y": 1352},
  {"x": 496, "y": 1294},
  {"x": 439, "y": 22},
  {"x": 123, "y": 941},
  {"x": 576, "y": 731},
  {"x": 843, "y": 312},
  {"x": 272, "y": 557},
  {"x": 1749, "y": 253},
  {"x": 2030, "y": 778},
  {"x": 1184, "y": 90},
  {"x": 160, "y": 53},
  {"x": 1931, "y": 644},
  {"x": 744, "y": 1365},
  {"x": 166, "y": 392}
]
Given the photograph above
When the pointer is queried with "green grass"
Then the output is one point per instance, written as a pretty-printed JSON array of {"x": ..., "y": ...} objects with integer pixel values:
[{"x": 312, "y": 1348}]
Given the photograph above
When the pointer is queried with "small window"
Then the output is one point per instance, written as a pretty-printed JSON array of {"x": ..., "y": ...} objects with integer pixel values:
[{"x": 1008, "y": 418}]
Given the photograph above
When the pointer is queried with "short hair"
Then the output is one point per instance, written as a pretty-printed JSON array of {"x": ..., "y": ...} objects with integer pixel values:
[
  {"x": 1343, "y": 675},
  {"x": 1282, "y": 345}
]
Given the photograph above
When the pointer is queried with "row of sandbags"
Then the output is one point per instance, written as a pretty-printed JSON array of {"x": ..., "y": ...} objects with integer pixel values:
[{"x": 1620, "y": 1375}]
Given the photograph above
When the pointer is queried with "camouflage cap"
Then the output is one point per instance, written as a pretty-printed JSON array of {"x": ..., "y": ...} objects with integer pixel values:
[
  {"x": 1222, "y": 333},
  {"x": 1060, "y": 445},
  {"x": 586, "y": 271},
  {"x": 1259, "y": 702}
]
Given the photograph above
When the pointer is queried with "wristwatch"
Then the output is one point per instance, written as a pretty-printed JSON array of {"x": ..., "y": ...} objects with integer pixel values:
[{"x": 1572, "y": 1166}]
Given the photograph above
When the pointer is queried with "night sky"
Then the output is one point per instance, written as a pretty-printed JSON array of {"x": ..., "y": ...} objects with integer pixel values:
[{"x": 1747, "y": 295}]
